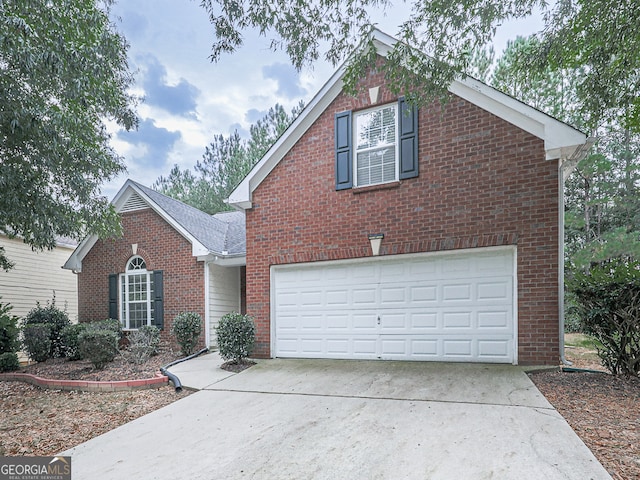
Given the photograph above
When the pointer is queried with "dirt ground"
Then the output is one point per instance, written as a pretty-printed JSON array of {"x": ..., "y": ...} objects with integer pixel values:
[{"x": 603, "y": 410}]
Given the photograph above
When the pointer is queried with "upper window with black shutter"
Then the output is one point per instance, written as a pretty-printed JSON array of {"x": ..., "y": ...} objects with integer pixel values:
[{"x": 376, "y": 146}]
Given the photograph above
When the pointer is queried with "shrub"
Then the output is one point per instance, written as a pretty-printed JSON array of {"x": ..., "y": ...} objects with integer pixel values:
[
  {"x": 109, "y": 325},
  {"x": 608, "y": 300},
  {"x": 69, "y": 336},
  {"x": 36, "y": 338},
  {"x": 99, "y": 346},
  {"x": 9, "y": 362},
  {"x": 56, "y": 319},
  {"x": 186, "y": 328},
  {"x": 236, "y": 336},
  {"x": 143, "y": 343},
  {"x": 9, "y": 331}
]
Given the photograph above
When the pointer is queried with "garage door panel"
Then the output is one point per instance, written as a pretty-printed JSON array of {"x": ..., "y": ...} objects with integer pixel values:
[
  {"x": 364, "y": 322},
  {"x": 493, "y": 349},
  {"x": 495, "y": 320},
  {"x": 421, "y": 295},
  {"x": 453, "y": 307},
  {"x": 337, "y": 298},
  {"x": 365, "y": 297},
  {"x": 312, "y": 322},
  {"x": 423, "y": 321},
  {"x": 393, "y": 295},
  {"x": 456, "y": 292},
  {"x": 494, "y": 291},
  {"x": 456, "y": 320}
]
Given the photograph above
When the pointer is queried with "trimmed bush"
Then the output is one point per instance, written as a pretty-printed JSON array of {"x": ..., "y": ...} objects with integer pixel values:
[
  {"x": 9, "y": 331},
  {"x": 9, "y": 362},
  {"x": 69, "y": 336},
  {"x": 36, "y": 338},
  {"x": 109, "y": 325},
  {"x": 56, "y": 319},
  {"x": 143, "y": 344},
  {"x": 236, "y": 337},
  {"x": 99, "y": 346},
  {"x": 187, "y": 327},
  {"x": 608, "y": 301}
]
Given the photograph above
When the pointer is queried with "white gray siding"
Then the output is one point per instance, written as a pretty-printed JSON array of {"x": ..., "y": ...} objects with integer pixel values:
[
  {"x": 224, "y": 295},
  {"x": 36, "y": 276}
]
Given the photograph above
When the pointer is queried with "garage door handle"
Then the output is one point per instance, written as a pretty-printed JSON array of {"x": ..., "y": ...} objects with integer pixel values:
[{"x": 378, "y": 319}]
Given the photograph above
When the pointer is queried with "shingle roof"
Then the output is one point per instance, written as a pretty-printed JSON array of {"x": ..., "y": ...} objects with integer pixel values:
[{"x": 222, "y": 233}]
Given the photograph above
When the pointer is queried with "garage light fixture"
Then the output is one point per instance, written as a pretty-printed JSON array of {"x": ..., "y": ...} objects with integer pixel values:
[{"x": 376, "y": 241}]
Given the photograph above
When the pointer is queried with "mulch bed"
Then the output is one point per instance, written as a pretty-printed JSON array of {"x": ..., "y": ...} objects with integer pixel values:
[
  {"x": 119, "y": 369},
  {"x": 41, "y": 422},
  {"x": 602, "y": 409},
  {"x": 232, "y": 366}
]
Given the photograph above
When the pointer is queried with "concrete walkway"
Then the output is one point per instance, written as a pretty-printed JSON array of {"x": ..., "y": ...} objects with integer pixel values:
[{"x": 318, "y": 419}]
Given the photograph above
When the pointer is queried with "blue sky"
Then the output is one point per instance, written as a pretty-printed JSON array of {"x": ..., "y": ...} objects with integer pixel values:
[{"x": 188, "y": 100}]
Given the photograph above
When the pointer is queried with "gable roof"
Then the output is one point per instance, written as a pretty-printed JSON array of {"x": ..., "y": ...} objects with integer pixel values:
[
  {"x": 561, "y": 141},
  {"x": 219, "y": 238}
]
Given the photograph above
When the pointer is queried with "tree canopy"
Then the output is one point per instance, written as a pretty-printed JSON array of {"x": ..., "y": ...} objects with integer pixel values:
[
  {"x": 438, "y": 38},
  {"x": 226, "y": 161},
  {"x": 63, "y": 73}
]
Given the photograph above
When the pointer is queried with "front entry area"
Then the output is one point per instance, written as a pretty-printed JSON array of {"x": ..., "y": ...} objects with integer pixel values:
[{"x": 447, "y": 306}]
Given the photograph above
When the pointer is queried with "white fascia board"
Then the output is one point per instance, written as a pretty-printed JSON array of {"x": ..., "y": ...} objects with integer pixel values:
[
  {"x": 197, "y": 248},
  {"x": 560, "y": 139},
  {"x": 241, "y": 196},
  {"x": 224, "y": 261},
  {"x": 74, "y": 262}
]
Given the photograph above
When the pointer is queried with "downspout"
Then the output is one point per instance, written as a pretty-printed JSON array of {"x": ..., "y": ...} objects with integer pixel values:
[
  {"x": 565, "y": 167},
  {"x": 561, "y": 174},
  {"x": 207, "y": 305},
  {"x": 174, "y": 379}
]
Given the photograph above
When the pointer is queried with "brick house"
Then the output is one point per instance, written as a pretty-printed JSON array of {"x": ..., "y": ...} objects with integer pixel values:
[
  {"x": 172, "y": 258},
  {"x": 380, "y": 231}
]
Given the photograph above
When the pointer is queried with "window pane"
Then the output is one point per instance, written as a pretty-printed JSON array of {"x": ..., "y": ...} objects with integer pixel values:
[
  {"x": 137, "y": 315},
  {"x": 137, "y": 288},
  {"x": 137, "y": 299},
  {"x": 376, "y": 128},
  {"x": 376, "y": 166}
]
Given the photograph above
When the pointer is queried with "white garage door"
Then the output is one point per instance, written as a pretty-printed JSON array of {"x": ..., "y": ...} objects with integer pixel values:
[{"x": 448, "y": 307}]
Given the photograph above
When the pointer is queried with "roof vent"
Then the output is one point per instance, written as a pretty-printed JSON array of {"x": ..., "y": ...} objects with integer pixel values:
[{"x": 135, "y": 202}]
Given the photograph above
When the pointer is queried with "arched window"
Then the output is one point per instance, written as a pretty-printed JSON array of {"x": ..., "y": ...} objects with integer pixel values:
[{"x": 136, "y": 294}]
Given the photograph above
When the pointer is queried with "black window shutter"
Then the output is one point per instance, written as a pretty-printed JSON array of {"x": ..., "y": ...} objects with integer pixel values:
[
  {"x": 158, "y": 299},
  {"x": 113, "y": 296},
  {"x": 344, "y": 165},
  {"x": 408, "y": 127}
]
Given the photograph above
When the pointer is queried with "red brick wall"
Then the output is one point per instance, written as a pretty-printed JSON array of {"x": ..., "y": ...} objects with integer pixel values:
[
  {"x": 482, "y": 182},
  {"x": 162, "y": 249}
]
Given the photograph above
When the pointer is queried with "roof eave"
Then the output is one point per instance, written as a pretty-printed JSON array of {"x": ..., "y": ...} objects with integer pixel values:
[
  {"x": 235, "y": 260},
  {"x": 559, "y": 138}
]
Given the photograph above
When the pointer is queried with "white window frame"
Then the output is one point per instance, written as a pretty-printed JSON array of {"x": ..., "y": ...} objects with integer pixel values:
[
  {"x": 356, "y": 150},
  {"x": 124, "y": 293}
]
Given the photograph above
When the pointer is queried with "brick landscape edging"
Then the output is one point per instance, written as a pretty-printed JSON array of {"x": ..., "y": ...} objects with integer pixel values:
[{"x": 88, "y": 386}]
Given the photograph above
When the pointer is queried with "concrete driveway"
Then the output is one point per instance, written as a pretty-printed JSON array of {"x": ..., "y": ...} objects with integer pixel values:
[{"x": 319, "y": 419}]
